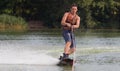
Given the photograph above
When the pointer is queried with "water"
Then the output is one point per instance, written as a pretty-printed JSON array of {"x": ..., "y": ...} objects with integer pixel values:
[{"x": 39, "y": 51}]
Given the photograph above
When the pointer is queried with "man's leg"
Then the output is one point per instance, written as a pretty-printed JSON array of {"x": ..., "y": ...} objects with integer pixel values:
[
  {"x": 71, "y": 50},
  {"x": 73, "y": 44},
  {"x": 66, "y": 50},
  {"x": 67, "y": 38},
  {"x": 67, "y": 47}
]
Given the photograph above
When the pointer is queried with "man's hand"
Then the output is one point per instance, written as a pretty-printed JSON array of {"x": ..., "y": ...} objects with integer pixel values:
[{"x": 68, "y": 25}]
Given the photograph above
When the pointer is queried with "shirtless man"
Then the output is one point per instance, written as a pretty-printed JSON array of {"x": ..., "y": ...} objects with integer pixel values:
[{"x": 70, "y": 21}]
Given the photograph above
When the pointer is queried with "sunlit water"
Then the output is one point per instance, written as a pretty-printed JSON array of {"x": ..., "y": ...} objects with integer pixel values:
[{"x": 39, "y": 51}]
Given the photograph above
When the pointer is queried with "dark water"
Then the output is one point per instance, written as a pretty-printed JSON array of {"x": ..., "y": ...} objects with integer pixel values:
[{"x": 97, "y": 50}]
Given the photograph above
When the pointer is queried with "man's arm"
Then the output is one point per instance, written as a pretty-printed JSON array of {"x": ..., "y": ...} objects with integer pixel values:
[
  {"x": 77, "y": 23},
  {"x": 63, "y": 22}
]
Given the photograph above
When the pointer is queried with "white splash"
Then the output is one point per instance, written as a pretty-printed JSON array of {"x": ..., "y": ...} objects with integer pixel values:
[{"x": 26, "y": 57}]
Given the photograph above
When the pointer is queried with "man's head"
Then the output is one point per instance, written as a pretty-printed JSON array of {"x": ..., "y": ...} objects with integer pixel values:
[{"x": 74, "y": 8}]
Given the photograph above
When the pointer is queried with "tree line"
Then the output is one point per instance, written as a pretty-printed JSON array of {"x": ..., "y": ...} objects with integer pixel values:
[{"x": 95, "y": 14}]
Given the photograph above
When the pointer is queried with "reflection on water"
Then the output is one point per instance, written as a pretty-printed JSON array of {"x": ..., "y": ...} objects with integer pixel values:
[
  {"x": 96, "y": 50},
  {"x": 29, "y": 68}
]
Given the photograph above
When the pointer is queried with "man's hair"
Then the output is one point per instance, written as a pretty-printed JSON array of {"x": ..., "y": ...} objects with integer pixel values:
[{"x": 74, "y": 5}]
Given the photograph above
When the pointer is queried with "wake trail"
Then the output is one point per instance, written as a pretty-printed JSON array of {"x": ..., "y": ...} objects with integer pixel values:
[{"x": 26, "y": 57}]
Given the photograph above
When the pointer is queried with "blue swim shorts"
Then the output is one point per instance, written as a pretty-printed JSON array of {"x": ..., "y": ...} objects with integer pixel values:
[{"x": 69, "y": 37}]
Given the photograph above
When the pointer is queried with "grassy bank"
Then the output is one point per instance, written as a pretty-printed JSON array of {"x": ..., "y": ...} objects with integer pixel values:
[{"x": 10, "y": 23}]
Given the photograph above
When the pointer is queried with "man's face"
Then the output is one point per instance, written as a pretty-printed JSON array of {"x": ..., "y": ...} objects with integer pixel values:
[{"x": 74, "y": 9}]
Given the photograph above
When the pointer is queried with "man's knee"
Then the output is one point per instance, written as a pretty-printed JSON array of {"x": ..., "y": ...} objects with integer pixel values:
[{"x": 68, "y": 43}]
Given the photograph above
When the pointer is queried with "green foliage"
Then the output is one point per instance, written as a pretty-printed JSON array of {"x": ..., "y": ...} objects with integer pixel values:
[
  {"x": 100, "y": 13},
  {"x": 11, "y": 20},
  {"x": 93, "y": 13},
  {"x": 10, "y": 23}
]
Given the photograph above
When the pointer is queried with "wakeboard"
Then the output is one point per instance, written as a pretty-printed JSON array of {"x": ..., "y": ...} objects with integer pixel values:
[{"x": 66, "y": 62}]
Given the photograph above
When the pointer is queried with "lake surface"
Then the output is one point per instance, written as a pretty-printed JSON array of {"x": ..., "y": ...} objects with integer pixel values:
[{"x": 97, "y": 50}]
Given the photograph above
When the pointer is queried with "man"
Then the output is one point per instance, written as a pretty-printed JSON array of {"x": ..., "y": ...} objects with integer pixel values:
[{"x": 70, "y": 21}]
